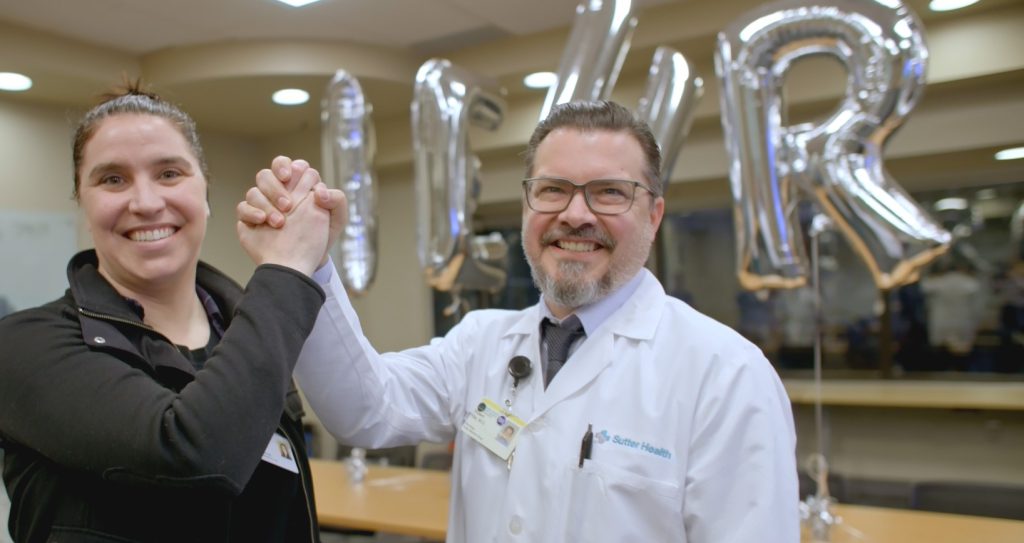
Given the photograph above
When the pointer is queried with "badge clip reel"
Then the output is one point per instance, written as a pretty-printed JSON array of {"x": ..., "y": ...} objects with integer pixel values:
[{"x": 519, "y": 368}]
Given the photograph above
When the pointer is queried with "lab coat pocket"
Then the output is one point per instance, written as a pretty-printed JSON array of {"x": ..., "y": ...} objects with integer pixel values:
[{"x": 611, "y": 503}]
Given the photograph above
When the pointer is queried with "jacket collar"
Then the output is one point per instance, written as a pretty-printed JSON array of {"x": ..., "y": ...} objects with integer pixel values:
[
  {"x": 106, "y": 317},
  {"x": 92, "y": 292}
]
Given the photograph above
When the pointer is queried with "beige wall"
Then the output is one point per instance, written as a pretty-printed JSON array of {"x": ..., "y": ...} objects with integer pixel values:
[
  {"x": 233, "y": 164},
  {"x": 35, "y": 152}
]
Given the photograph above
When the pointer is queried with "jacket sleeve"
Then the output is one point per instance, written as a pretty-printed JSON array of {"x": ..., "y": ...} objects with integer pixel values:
[
  {"x": 88, "y": 410},
  {"x": 375, "y": 400}
]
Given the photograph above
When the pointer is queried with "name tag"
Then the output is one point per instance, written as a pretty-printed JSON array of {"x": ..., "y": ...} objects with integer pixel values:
[
  {"x": 494, "y": 428},
  {"x": 280, "y": 453}
]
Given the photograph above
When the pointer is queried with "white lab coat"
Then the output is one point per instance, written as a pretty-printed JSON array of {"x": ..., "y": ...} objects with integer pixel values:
[{"x": 694, "y": 437}]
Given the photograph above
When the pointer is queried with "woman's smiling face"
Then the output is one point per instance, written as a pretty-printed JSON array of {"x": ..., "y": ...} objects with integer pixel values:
[{"x": 144, "y": 197}]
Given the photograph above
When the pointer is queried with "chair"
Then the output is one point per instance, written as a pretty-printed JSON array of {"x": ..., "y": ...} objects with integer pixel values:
[{"x": 966, "y": 498}]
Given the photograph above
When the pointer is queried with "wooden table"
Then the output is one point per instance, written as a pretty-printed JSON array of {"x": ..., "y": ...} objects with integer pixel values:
[
  {"x": 395, "y": 500},
  {"x": 882, "y": 525},
  {"x": 908, "y": 393},
  {"x": 414, "y": 502}
]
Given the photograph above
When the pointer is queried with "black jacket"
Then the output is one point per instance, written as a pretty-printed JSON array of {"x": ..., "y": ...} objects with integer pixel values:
[{"x": 111, "y": 434}]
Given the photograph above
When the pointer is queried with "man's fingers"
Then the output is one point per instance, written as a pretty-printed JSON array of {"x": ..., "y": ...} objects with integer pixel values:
[
  {"x": 272, "y": 191},
  {"x": 329, "y": 198},
  {"x": 257, "y": 201},
  {"x": 334, "y": 201},
  {"x": 250, "y": 215},
  {"x": 282, "y": 168},
  {"x": 307, "y": 179}
]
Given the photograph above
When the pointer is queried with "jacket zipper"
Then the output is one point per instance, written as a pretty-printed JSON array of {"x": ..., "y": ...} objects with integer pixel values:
[
  {"x": 112, "y": 318},
  {"x": 134, "y": 324},
  {"x": 302, "y": 481}
]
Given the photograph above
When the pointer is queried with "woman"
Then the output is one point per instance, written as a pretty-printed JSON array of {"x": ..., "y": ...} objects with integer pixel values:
[{"x": 138, "y": 406}]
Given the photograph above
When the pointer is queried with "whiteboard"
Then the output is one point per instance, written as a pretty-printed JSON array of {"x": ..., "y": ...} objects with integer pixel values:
[{"x": 35, "y": 249}]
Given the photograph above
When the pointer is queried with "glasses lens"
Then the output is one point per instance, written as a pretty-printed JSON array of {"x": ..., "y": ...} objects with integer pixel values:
[
  {"x": 610, "y": 196},
  {"x": 605, "y": 196},
  {"x": 549, "y": 194}
]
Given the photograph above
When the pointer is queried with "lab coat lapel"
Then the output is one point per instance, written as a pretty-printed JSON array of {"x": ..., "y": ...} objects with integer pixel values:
[
  {"x": 637, "y": 319},
  {"x": 579, "y": 370},
  {"x": 524, "y": 338}
]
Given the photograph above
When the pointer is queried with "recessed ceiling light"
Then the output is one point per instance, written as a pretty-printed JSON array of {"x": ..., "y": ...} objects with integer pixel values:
[
  {"x": 290, "y": 97},
  {"x": 10, "y": 81},
  {"x": 297, "y": 3},
  {"x": 986, "y": 194},
  {"x": 949, "y": 5},
  {"x": 951, "y": 204},
  {"x": 540, "y": 80},
  {"x": 1012, "y": 153}
]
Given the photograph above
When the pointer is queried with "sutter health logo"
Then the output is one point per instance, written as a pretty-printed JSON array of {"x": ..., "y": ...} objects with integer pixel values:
[{"x": 604, "y": 437}]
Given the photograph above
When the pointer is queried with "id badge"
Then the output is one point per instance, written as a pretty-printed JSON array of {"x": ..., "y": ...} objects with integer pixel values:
[
  {"x": 280, "y": 453},
  {"x": 494, "y": 428}
]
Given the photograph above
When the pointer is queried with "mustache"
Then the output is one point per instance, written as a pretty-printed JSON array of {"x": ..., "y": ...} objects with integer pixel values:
[{"x": 585, "y": 232}]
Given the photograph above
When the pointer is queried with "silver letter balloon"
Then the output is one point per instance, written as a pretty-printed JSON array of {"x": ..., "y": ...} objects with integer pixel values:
[
  {"x": 348, "y": 145},
  {"x": 673, "y": 91},
  {"x": 838, "y": 162},
  {"x": 598, "y": 43},
  {"x": 446, "y": 100}
]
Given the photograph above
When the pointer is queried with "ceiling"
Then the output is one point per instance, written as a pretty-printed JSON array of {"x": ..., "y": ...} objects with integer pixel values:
[
  {"x": 404, "y": 32},
  {"x": 221, "y": 60},
  {"x": 422, "y": 26}
]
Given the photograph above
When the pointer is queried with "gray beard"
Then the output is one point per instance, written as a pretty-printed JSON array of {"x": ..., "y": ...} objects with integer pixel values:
[{"x": 573, "y": 291}]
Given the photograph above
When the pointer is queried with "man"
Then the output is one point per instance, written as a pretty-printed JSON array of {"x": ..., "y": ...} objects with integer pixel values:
[{"x": 662, "y": 425}]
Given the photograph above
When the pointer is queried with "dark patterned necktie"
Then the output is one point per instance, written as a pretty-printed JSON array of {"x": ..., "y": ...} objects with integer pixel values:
[{"x": 559, "y": 337}]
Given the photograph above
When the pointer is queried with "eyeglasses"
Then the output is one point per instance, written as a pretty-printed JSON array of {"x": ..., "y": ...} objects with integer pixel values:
[{"x": 603, "y": 196}]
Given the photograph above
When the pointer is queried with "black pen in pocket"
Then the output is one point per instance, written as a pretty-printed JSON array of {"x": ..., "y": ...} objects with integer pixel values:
[{"x": 587, "y": 444}]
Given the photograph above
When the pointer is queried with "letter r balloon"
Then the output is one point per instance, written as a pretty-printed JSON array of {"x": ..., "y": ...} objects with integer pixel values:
[{"x": 837, "y": 162}]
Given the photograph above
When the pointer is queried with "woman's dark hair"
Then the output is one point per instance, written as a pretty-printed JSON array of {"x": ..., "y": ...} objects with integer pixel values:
[{"x": 130, "y": 98}]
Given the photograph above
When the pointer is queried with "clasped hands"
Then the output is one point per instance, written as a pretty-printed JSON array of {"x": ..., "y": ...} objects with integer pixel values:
[{"x": 290, "y": 217}]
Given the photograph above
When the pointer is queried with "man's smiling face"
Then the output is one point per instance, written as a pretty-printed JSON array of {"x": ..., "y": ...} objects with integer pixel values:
[{"x": 576, "y": 256}]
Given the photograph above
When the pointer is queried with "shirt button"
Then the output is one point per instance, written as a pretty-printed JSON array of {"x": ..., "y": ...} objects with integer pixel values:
[
  {"x": 99, "y": 339},
  {"x": 515, "y": 525}
]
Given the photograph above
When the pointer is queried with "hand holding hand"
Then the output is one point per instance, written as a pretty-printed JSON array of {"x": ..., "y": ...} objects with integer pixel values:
[
  {"x": 276, "y": 192},
  {"x": 287, "y": 184}
]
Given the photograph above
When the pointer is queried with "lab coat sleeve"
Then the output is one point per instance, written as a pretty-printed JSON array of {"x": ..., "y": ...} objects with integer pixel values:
[
  {"x": 742, "y": 478},
  {"x": 373, "y": 400}
]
